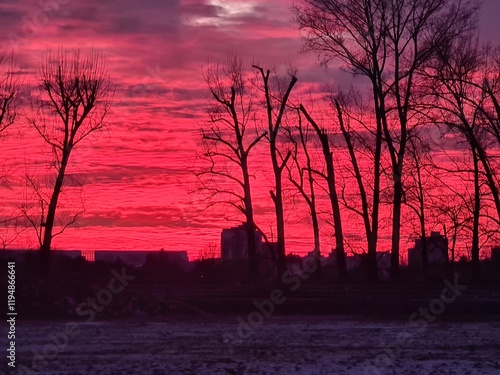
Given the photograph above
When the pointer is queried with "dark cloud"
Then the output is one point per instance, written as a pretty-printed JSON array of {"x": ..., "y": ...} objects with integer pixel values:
[
  {"x": 489, "y": 21},
  {"x": 200, "y": 9}
]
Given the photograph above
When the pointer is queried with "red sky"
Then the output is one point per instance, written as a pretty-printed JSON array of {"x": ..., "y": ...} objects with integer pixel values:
[{"x": 137, "y": 173}]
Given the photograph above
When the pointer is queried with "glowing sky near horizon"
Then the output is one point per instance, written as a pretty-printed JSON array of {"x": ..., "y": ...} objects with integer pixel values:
[{"x": 137, "y": 174}]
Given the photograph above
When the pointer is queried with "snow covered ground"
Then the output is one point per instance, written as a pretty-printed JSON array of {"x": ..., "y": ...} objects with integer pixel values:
[{"x": 281, "y": 345}]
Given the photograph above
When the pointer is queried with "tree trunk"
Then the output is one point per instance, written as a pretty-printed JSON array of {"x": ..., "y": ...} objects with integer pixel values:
[
  {"x": 337, "y": 219},
  {"x": 371, "y": 231},
  {"x": 280, "y": 217},
  {"x": 476, "y": 273},
  {"x": 422, "y": 216},
  {"x": 332, "y": 192},
  {"x": 453, "y": 244},
  {"x": 252, "y": 248},
  {"x": 250, "y": 224},
  {"x": 317, "y": 250},
  {"x": 425, "y": 257},
  {"x": 396, "y": 226},
  {"x": 314, "y": 216},
  {"x": 51, "y": 214},
  {"x": 372, "y": 270},
  {"x": 277, "y": 169},
  {"x": 481, "y": 155}
]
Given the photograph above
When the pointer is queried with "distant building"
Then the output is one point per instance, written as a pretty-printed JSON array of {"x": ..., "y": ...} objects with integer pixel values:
[
  {"x": 383, "y": 259},
  {"x": 132, "y": 258},
  {"x": 178, "y": 259},
  {"x": 495, "y": 254},
  {"x": 19, "y": 255},
  {"x": 234, "y": 244},
  {"x": 264, "y": 250},
  {"x": 352, "y": 261},
  {"x": 437, "y": 250},
  {"x": 138, "y": 258}
]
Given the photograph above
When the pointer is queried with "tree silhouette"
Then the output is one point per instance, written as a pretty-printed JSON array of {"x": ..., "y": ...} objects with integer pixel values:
[
  {"x": 275, "y": 105},
  {"x": 363, "y": 147},
  {"x": 301, "y": 175},
  {"x": 330, "y": 178},
  {"x": 387, "y": 42},
  {"x": 418, "y": 186},
  {"x": 464, "y": 100},
  {"x": 72, "y": 103},
  {"x": 461, "y": 204},
  {"x": 228, "y": 140}
]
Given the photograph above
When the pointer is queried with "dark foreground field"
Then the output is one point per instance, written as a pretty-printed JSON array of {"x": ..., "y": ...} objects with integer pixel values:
[
  {"x": 113, "y": 322},
  {"x": 277, "y": 345}
]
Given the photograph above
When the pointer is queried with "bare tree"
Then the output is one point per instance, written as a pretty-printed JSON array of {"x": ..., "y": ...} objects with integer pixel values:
[
  {"x": 36, "y": 201},
  {"x": 463, "y": 99},
  {"x": 275, "y": 106},
  {"x": 490, "y": 110},
  {"x": 463, "y": 82},
  {"x": 418, "y": 186},
  {"x": 73, "y": 102},
  {"x": 10, "y": 229},
  {"x": 330, "y": 178},
  {"x": 387, "y": 42},
  {"x": 450, "y": 214},
  {"x": 228, "y": 140},
  {"x": 302, "y": 176},
  {"x": 362, "y": 145},
  {"x": 470, "y": 192}
]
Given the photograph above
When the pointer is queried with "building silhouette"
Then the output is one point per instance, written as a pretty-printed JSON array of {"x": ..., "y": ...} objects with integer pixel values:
[
  {"x": 234, "y": 243},
  {"x": 495, "y": 254},
  {"x": 134, "y": 258},
  {"x": 437, "y": 250}
]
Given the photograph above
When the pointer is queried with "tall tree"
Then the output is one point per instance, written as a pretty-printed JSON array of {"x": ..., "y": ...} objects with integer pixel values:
[
  {"x": 464, "y": 99},
  {"x": 418, "y": 185},
  {"x": 449, "y": 209},
  {"x": 463, "y": 81},
  {"x": 228, "y": 140},
  {"x": 467, "y": 187},
  {"x": 330, "y": 177},
  {"x": 301, "y": 175},
  {"x": 387, "y": 42},
  {"x": 275, "y": 104},
  {"x": 359, "y": 138},
  {"x": 73, "y": 102}
]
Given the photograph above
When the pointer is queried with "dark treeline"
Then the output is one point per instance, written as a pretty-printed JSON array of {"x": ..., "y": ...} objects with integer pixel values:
[
  {"x": 430, "y": 88},
  {"x": 162, "y": 286}
]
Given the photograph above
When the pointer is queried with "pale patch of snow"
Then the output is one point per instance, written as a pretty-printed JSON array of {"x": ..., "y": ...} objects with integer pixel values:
[{"x": 295, "y": 345}]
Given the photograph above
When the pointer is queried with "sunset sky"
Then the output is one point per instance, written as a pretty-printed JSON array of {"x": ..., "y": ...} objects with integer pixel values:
[{"x": 137, "y": 174}]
